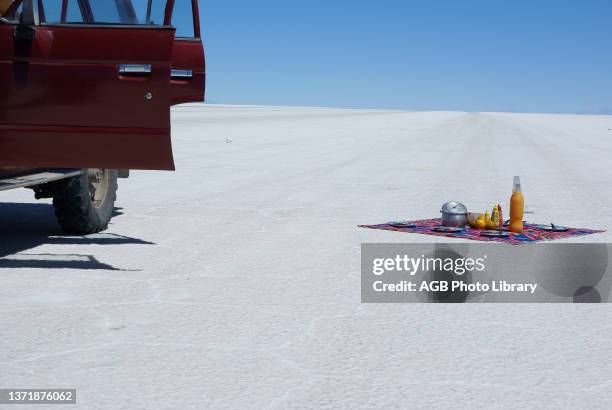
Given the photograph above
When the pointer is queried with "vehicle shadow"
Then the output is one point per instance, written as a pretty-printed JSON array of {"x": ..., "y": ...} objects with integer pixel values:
[{"x": 27, "y": 226}]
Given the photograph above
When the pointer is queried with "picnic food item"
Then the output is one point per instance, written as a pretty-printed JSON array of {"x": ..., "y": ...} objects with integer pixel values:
[
  {"x": 494, "y": 222},
  {"x": 487, "y": 220},
  {"x": 472, "y": 218},
  {"x": 495, "y": 217},
  {"x": 517, "y": 206},
  {"x": 481, "y": 222}
]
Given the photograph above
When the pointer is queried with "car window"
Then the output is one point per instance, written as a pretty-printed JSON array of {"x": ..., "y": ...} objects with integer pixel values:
[
  {"x": 113, "y": 11},
  {"x": 150, "y": 11},
  {"x": 73, "y": 12},
  {"x": 53, "y": 12},
  {"x": 104, "y": 12},
  {"x": 182, "y": 19}
]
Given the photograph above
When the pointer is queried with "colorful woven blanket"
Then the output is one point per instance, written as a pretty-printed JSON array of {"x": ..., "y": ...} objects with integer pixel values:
[{"x": 531, "y": 233}]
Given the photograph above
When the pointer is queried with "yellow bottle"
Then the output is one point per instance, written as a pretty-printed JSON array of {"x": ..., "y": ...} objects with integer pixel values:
[
  {"x": 494, "y": 219},
  {"x": 517, "y": 206}
]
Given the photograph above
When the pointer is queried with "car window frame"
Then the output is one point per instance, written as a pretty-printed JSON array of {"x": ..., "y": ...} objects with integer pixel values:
[
  {"x": 195, "y": 11},
  {"x": 92, "y": 24}
]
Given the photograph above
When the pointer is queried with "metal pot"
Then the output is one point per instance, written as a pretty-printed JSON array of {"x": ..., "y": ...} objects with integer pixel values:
[{"x": 454, "y": 214}]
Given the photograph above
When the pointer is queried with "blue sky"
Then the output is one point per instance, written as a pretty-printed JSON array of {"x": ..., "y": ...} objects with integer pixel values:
[{"x": 530, "y": 56}]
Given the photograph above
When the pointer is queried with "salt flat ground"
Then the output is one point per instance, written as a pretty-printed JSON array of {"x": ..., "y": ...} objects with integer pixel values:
[{"x": 235, "y": 281}]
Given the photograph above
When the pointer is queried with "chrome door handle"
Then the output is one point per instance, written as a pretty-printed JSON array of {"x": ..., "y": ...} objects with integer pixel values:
[
  {"x": 181, "y": 74},
  {"x": 135, "y": 69}
]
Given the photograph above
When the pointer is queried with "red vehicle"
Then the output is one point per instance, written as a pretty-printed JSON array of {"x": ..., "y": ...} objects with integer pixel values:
[{"x": 86, "y": 88}]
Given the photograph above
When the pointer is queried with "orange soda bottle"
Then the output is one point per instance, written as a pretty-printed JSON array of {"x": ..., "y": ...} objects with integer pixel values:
[{"x": 517, "y": 206}]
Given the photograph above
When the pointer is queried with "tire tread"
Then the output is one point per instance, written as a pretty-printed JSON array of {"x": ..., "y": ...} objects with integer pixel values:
[{"x": 73, "y": 207}]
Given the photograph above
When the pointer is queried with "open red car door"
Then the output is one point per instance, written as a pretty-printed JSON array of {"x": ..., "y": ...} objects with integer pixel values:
[
  {"x": 88, "y": 84},
  {"x": 188, "y": 67}
]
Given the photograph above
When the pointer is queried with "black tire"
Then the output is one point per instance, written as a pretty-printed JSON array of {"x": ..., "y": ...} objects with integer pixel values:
[{"x": 74, "y": 204}]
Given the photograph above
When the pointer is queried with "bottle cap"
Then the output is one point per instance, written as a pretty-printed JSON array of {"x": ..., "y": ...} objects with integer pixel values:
[{"x": 517, "y": 184}]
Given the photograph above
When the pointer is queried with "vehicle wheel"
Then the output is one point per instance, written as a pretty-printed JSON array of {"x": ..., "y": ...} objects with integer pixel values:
[{"x": 84, "y": 204}]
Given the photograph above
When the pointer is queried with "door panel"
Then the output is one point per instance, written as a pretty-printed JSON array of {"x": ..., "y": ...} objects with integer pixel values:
[
  {"x": 188, "y": 78},
  {"x": 64, "y": 101}
]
